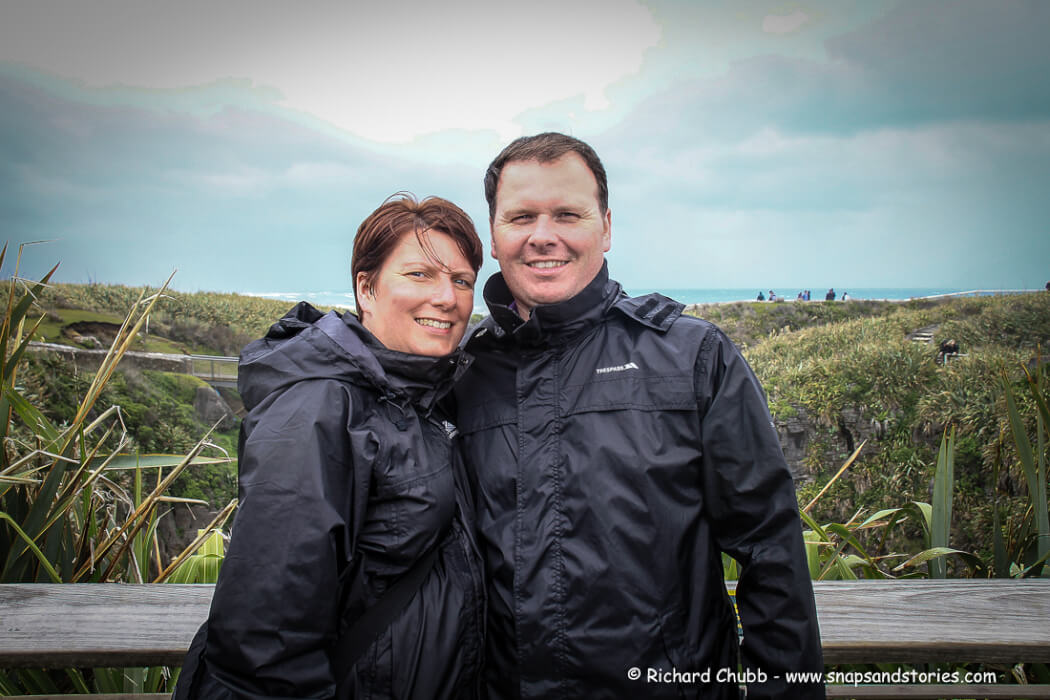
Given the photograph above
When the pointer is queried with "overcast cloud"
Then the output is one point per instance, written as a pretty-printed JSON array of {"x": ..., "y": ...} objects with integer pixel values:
[{"x": 748, "y": 144}]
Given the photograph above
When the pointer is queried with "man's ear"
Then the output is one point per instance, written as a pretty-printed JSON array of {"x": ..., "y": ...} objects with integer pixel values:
[
  {"x": 607, "y": 236},
  {"x": 492, "y": 242},
  {"x": 362, "y": 294}
]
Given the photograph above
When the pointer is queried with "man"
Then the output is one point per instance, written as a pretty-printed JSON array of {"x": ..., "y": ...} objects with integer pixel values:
[{"x": 618, "y": 448}]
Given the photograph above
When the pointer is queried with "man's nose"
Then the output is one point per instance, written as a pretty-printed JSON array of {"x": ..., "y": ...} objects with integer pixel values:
[{"x": 543, "y": 233}]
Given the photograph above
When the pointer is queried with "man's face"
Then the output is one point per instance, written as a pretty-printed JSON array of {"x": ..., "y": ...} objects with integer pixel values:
[{"x": 548, "y": 233}]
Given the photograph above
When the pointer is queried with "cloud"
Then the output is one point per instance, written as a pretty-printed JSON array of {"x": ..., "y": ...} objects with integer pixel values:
[
  {"x": 929, "y": 206},
  {"x": 829, "y": 143},
  {"x": 236, "y": 199},
  {"x": 920, "y": 64},
  {"x": 949, "y": 59},
  {"x": 382, "y": 72},
  {"x": 784, "y": 24}
]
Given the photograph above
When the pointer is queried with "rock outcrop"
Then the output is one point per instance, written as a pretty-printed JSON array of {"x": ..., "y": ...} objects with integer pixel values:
[
  {"x": 212, "y": 409},
  {"x": 807, "y": 440}
]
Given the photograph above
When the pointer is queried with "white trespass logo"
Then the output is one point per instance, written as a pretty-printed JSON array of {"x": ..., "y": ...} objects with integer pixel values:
[{"x": 617, "y": 368}]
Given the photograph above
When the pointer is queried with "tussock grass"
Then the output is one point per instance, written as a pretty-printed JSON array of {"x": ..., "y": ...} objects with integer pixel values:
[{"x": 831, "y": 372}]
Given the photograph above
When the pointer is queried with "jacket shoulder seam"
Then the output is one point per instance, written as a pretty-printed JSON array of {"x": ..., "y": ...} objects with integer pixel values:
[{"x": 652, "y": 310}]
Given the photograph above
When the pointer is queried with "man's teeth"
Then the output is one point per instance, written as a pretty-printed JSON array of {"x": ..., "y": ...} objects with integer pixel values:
[
  {"x": 434, "y": 324},
  {"x": 547, "y": 264}
]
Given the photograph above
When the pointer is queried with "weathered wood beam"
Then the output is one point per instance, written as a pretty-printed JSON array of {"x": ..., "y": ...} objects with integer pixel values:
[{"x": 915, "y": 621}]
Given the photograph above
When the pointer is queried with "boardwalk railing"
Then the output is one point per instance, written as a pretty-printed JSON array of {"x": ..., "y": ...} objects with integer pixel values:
[
  {"x": 215, "y": 369},
  {"x": 997, "y": 622}
]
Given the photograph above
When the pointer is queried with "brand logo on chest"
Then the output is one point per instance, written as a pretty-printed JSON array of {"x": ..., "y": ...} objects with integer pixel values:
[{"x": 617, "y": 368}]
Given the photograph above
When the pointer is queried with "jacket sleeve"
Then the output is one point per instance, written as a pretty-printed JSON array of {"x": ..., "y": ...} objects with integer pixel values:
[
  {"x": 274, "y": 614},
  {"x": 751, "y": 496}
]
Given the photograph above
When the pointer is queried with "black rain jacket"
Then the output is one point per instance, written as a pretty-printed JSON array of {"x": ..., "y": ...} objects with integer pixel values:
[
  {"x": 347, "y": 477},
  {"x": 618, "y": 449}
]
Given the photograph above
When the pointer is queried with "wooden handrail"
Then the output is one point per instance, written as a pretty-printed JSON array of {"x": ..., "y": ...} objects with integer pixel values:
[
  {"x": 915, "y": 621},
  {"x": 901, "y": 622}
]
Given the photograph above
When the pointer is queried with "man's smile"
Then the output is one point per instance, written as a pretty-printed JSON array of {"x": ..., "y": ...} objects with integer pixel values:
[
  {"x": 547, "y": 264},
  {"x": 434, "y": 323}
]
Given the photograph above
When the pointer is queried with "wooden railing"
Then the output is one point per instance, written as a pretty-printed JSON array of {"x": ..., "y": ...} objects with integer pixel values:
[
  {"x": 897, "y": 622},
  {"x": 215, "y": 369}
]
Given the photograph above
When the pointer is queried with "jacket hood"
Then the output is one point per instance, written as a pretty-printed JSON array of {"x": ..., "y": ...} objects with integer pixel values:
[
  {"x": 308, "y": 344},
  {"x": 550, "y": 323}
]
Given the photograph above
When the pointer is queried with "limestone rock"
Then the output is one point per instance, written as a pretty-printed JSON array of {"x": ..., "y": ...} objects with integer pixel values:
[
  {"x": 178, "y": 528},
  {"x": 211, "y": 408}
]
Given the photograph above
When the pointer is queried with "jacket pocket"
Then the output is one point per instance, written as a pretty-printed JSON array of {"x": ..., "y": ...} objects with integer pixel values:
[{"x": 630, "y": 390}]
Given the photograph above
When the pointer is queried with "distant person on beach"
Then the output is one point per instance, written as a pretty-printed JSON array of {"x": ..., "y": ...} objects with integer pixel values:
[
  {"x": 353, "y": 569},
  {"x": 618, "y": 448},
  {"x": 805, "y": 297},
  {"x": 772, "y": 296},
  {"x": 761, "y": 296},
  {"x": 799, "y": 297},
  {"x": 845, "y": 296},
  {"x": 1048, "y": 286},
  {"x": 830, "y": 296}
]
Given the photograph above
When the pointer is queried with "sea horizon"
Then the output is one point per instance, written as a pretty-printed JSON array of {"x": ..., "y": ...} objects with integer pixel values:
[{"x": 687, "y": 296}]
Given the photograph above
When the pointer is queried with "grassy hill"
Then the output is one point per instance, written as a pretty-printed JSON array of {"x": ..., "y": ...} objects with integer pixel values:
[
  {"x": 836, "y": 374},
  {"x": 847, "y": 372},
  {"x": 156, "y": 407}
]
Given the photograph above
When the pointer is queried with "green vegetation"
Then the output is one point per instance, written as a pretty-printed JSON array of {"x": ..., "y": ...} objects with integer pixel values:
[
  {"x": 749, "y": 323},
  {"x": 842, "y": 372},
  {"x": 913, "y": 468},
  {"x": 75, "y": 506},
  {"x": 847, "y": 372},
  {"x": 202, "y": 322}
]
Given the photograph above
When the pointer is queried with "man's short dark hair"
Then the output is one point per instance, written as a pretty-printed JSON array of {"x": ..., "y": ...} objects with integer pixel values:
[{"x": 545, "y": 148}]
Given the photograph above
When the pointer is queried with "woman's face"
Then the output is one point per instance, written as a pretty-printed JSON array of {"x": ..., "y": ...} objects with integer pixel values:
[{"x": 419, "y": 303}]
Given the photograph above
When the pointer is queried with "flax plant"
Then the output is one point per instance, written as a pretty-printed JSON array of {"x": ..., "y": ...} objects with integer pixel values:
[
  {"x": 63, "y": 517},
  {"x": 836, "y": 551},
  {"x": 1033, "y": 536},
  {"x": 61, "y": 512}
]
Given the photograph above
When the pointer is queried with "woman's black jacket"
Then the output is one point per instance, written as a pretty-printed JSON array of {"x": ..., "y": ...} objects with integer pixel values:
[{"x": 348, "y": 477}]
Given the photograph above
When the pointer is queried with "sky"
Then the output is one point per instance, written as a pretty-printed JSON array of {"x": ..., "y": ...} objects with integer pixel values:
[{"x": 749, "y": 144}]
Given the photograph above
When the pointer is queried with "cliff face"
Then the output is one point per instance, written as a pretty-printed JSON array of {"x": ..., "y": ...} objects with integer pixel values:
[{"x": 809, "y": 443}]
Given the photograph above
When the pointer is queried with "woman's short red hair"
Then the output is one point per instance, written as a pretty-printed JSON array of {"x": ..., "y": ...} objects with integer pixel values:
[{"x": 401, "y": 213}]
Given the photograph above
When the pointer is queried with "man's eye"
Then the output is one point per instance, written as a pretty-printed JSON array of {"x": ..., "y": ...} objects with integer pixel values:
[
  {"x": 568, "y": 216},
  {"x": 522, "y": 218}
]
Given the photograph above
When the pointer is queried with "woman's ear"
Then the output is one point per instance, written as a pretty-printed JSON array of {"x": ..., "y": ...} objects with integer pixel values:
[{"x": 363, "y": 294}]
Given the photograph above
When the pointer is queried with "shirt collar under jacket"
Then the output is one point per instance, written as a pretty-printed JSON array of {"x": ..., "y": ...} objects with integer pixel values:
[{"x": 553, "y": 323}]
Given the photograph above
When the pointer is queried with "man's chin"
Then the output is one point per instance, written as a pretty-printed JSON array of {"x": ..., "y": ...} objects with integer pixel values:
[{"x": 547, "y": 299}]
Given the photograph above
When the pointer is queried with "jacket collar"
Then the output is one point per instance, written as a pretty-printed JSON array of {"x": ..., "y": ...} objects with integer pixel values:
[
  {"x": 308, "y": 344},
  {"x": 552, "y": 323},
  {"x": 421, "y": 379}
]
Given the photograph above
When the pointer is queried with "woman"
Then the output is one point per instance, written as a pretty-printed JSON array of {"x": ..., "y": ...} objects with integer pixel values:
[{"x": 352, "y": 570}]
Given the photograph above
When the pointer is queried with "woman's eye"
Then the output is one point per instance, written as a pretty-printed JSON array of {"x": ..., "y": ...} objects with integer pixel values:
[
  {"x": 415, "y": 273},
  {"x": 466, "y": 284}
]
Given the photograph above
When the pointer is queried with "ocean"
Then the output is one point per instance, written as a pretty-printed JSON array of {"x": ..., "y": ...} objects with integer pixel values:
[{"x": 345, "y": 300}]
